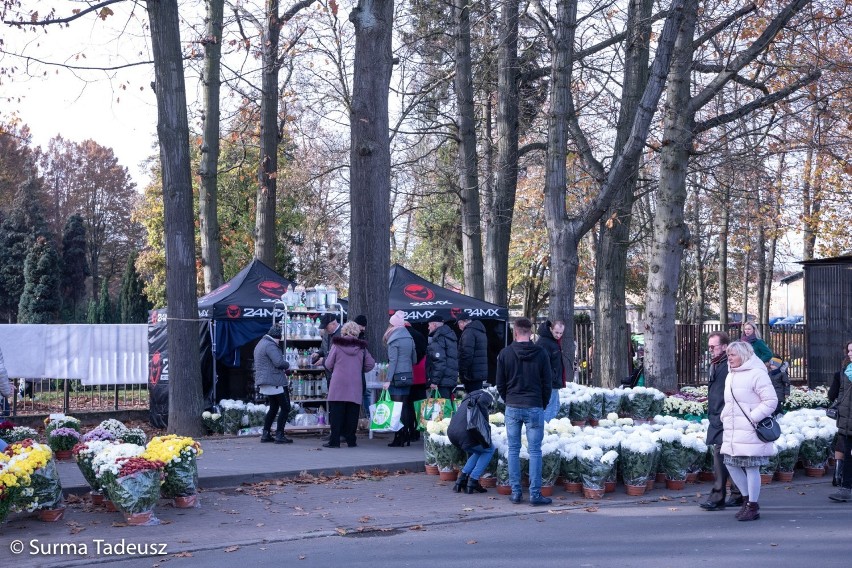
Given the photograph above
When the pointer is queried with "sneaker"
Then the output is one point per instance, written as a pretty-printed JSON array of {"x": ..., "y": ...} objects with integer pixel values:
[
  {"x": 843, "y": 495},
  {"x": 536, "y": 500}
]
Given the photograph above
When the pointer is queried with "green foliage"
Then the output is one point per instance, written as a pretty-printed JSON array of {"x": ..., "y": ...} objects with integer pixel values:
[
  {"x": 133, "y": 305},
  {"x": 75, "y": 267},
  {"x": 40, "y": 301},
  {"x": 105, "y": 312}
]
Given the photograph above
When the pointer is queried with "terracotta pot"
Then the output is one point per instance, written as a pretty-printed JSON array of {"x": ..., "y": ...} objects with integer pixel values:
[
  {"x": 675, "y": 484},
  {"x": 814, "y": 471},
  {"x": 488, "y": 481},
  {"x": 560, "y": 480},
  {"x": 504, "y": 490},
  {"x": 593, "y": 422},
  {"x": 650, "y": 485},
  {"x": 546, "y": 490},
  {"x": 136, "y": 519},
  {"x": 635, "y": 490},
  {"x": 706, "y": 476},
  {"x": 573, "y": 487},
  {"x": 578, "y": 423},
  {"x": 451, "y": 475},
  {"x": 97, "y": 498},
  {"x": 51, "y": 515},
  {"x": 784, "y": 476},
  {"x": 432, "y": 470},
  {"x": 692, "y": 477},
  {"x": 590, "y": 493},
  {"x": 110, "y": 506},
  {"x": 766, "y": 478},
  {"x": 609, "y": 486},
  {"x": 186, "y": 501},
  {"x": 660, "y": 478},
  {"x": 63, "y": 455}
]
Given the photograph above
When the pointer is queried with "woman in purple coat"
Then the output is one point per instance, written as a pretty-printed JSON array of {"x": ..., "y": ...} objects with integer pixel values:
[{"x": 347, "y": 359}]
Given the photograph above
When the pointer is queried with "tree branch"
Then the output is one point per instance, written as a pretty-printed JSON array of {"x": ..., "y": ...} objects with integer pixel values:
[
  {"x": 79, "y": 14},
  {"x": 750, "y": 7},
  {"x": 74, "y": 67}
]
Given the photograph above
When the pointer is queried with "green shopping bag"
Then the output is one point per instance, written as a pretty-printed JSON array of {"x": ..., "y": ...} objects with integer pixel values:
[
  {"x": 385, "y": 415},
  {"x": 432, "y": 408}
]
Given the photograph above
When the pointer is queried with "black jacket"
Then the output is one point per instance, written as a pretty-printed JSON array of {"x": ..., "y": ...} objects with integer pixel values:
[
  {"x": 844, "y": 407},
  {"x": 554, "y": 352},
  {"x": 442, "y": 360},
  {"x": 523, "y": 375},
  {"x": 469, "y": 426},
  {"x": 473, "y": 353},
  {"x": 716, "y": 400},
  {"x": 420, "y": 342}
]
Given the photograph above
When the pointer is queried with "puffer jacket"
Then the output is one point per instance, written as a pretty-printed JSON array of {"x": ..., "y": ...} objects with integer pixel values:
[
  {"x": 442, "y": 359},
  {"x": 473, "y": 353},
  {"x": 401, "y": 354},
  {"x": 844, "y": 408},
  {"x": 347, "y": 360},
  {"x": 5, "y": 383},
  {"x": 469, "y": 426},
  {"x": 753, "y": 390},
  {"x": 716, "y": 400},
  {"x": 269, "y": 363}
]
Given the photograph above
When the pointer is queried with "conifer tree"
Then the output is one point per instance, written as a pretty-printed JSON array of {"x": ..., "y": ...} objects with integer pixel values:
[
  {"x": 132, "y": 302},
  {"x": 40, "y": 300},
  {"x": 75, "y": 267}
]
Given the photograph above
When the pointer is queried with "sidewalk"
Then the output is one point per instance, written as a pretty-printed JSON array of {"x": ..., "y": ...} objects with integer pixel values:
[{"x": 231, "y": 461}]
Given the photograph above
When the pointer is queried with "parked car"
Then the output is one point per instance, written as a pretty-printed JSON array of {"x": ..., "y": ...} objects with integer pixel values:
[{"x": 790, "y": 320}]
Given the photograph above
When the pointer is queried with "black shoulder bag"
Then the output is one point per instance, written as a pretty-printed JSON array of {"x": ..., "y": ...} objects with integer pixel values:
[{"x": 768, "y": 429}]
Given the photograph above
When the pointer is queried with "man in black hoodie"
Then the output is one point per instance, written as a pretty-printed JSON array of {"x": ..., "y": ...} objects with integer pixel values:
[
  {"x": 523, "y": 381},
  {"x": 549, "y": 335}
]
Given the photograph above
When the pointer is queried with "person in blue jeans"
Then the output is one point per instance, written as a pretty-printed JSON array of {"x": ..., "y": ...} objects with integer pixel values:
[
  {"x": 470, "y": 430},
  {"x": 524, "y": 383}
]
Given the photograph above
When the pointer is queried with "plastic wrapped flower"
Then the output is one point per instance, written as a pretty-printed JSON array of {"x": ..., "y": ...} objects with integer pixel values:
[
  {"x": 98, "y": 435},
  {"x": 178, "y": 454}
]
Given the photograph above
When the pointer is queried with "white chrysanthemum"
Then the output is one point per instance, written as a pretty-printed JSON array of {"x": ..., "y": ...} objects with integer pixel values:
[{"x": 609, "y": 457}]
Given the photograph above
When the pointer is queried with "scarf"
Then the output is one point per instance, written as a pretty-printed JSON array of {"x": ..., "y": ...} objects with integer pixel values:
[
  {"x": 848, "y": 371},
  {"x": 750, "y": 338},
  {"x": 715, "y": 360}
]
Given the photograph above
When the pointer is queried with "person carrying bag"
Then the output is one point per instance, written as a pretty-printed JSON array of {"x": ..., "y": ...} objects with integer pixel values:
[
  {"x": 385, "y": 415},
  {"x": 433, "y": 408}
]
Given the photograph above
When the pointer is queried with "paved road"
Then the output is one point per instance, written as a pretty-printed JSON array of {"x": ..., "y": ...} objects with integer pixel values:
[{"x": 408, "y": 519}]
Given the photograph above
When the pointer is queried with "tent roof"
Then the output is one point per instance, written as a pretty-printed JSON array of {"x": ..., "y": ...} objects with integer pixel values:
[
  {"x": 421, "y": 299},
  {"x": 250, "y": 294}
]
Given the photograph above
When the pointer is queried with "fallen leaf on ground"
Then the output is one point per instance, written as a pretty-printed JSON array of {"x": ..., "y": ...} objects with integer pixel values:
[
  {"x": 471, "y": 542},
  {"x": 182, "y": 555},
  {"x": 301, "y": 557},
  {"x": 340, "y": 531},
  {"x": 591, "y": 509},
  {"x": 416, "y": 528},
  {"x": 467, "y": 509},
  {"x": 365, "y": 519},
  {"x": 674, "y": 509},
  {"x": 232, "y": 548}
]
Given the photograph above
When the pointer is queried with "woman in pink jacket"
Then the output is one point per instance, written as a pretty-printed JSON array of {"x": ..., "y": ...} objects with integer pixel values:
[
  {"x": 347, "y": 359},
  {"x": 749, "y": 398}
]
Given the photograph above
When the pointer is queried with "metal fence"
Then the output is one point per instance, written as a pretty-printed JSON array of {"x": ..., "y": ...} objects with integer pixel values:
[{"x": 45, "y": 396}]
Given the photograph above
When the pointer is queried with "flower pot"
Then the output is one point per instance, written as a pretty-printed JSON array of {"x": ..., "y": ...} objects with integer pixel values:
[
  {"x": 488, "y": 481},
  {"x": 573, "y": 487},
  {"x": 706, "y": 476},
  {"x": 448, "y": 475},
  {"x": 592, "y": 422},
  {"x": 766, "y": 478},
  {"x": 660, "y": 478},
  {"x": 578, "y": 423},
  {"x": 590, "y": 493},
  {"x": 814, "y": 471},
  {"x": 609, "y": 486},
  {"x": 63, "y": 455},
  {"x": 560, "y": 480},
  {"x": 635, "y": 490},
  {"x": 692, "y": 477},
  {"x": 675, "y": 484},
  {"x": 432, "y": 470},
  {"x": 185, "y": 501},
  {"x": 136, "y": 519},
  {"x": 51, "y": 515},
  {"x": 546, "y": 490},
  {"x": 784, "y": 476},
  {"x": 649, "y": 486},
  {"x": 504, "y": 490},
  {"x": 110, "y": 506},
  {"x": 97, "y": 498}
]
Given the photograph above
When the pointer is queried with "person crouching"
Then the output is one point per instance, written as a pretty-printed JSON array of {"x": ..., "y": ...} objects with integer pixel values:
[{"x": 469, "y": 430}]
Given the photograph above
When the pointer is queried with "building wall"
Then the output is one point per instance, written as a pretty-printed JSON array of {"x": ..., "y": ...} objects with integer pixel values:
[{"x": 787, "y": 299}]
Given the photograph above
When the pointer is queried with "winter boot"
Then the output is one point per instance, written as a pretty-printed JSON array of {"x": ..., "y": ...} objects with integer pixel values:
[
  {"x": 751, "y": 512},
  {"x": 474, "y": 486},
  {"x": 838, "y": 473},
  {"x": 266, "y": 436},
  {"x": 280, "y": 438},
  {"x": 843, "y": 495},
  {"x": 743, "y": 508},
  {"x": 461, "y": 482}
]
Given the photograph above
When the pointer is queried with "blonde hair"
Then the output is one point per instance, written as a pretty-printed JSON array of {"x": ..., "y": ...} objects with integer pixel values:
[
  {"x": 351, "y": 329},
  {"x": 753, "y": 328}
]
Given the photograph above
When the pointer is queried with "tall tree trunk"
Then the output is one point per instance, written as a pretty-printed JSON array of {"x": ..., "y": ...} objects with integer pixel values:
[
  {"x": 468, "y": 172},
  {"x": 746, "y": 264},
  {"x": 700, "y": 284},
  {"x": 611, "y": 356},
  {"x": 669, "y": 228},
  {"x": 185, "y": 394},
  {"x": 267, "y": 171},
  {"x": 211, "y": 253},
  {"x": 724, "y": 229},
  {"x": 810, "y": 208},
  {"x": 499, "y": 227},
  {"x": 369, "y": 189},
  {"x": 761, "y": 269}
]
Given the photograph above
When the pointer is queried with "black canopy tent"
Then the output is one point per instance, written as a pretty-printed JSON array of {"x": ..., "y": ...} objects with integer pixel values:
[{"x": 231, "y": 317}]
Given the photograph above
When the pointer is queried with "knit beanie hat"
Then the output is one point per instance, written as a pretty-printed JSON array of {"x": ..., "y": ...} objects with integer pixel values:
[{"x": 398, "y": 319}]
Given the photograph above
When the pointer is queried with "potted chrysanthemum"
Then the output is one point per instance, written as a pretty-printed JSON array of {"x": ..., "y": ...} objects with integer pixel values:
[
  {"x": 212, "y": 422},
  {"x": 570, "y": 465},
  {"x": 788, "y": 454},
  {"x": 84, "y": 455},
  {"x": 551, "y": 464},
  {"x": 595, "y": 466},
  {"x": 62, "y": 441},
  {"x": 134, "y": 436},
  {"x": 131, "y": 481},
  {"x": 637, "y": 461},
  {"x": 678, "y": 452},
  {"x": 233, "y": 412},
  {"x": 178, "y": 454}
]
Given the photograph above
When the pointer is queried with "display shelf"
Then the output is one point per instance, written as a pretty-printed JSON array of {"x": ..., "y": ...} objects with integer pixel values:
[{"x": 311, "y": 400}]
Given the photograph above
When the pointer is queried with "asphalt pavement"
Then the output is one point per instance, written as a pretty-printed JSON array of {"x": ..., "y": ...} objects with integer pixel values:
[{"x": 299, "y": 502}]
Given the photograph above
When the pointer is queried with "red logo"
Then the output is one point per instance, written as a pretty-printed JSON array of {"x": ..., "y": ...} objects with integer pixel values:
[
  {"x": 155, "y": 368},
  {"x": 271, "y": 288},
  {"x": 153, "y": 317},
  {"x": 232, "y": 311},
  {"x": 418, "y": 292},
  {"x": 455, "y": 312}
]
